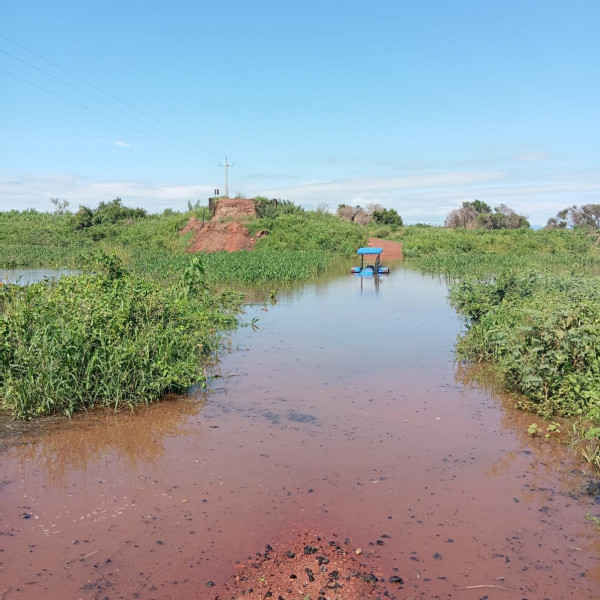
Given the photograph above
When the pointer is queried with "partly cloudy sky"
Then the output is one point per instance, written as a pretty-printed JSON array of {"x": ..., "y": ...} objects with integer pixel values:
[{"x": 417, "y": 106}]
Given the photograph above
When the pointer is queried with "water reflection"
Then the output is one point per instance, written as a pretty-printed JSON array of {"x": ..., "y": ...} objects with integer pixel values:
[
  {"x": 367, "y": 283},
  {"x": 130, "y": 439},
  {"x": 345, "y": 412},
  {"x": 547, "y": 457},
  {"x": 27, "y": 276}
]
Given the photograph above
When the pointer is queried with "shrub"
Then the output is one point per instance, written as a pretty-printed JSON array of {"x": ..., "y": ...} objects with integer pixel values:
[{"x": 108, "y": 338}]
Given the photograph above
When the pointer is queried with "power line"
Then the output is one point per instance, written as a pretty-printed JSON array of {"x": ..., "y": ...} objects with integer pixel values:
[
  {"x": 178, "y": 134},
  {"x": 94, "y": 97},
  {"x": 104, "y": 115}
]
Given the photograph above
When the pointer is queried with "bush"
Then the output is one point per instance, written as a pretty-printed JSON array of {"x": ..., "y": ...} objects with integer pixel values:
[
  {"x": 543, "y": 333},
  {"x": 109, "y": 339},
  {"x": 310, "y": 231}
]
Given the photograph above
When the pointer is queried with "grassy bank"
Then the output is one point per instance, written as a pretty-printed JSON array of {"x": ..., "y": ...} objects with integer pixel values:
[
  {"x": 298, "y": 246},
  {"x": 147, "y": 318},
  {"x": 531, "y": 304},
  {"x": 106, "y": 339}
]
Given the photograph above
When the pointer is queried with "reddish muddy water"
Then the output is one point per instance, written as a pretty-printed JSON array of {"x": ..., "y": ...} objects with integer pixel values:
[{"x": 343, "y": 414}]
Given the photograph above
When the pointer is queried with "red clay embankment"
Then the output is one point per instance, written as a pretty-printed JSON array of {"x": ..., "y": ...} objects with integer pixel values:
[{"x": 391, "y": 249}]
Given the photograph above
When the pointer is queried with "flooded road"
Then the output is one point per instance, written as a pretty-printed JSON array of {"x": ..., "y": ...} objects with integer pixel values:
[{"x": 345, "y": 414}]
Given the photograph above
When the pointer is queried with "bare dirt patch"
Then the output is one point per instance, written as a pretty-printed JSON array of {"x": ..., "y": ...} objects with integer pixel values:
[
  {"x": 215, "y": 236},
  {"x": 391, "y": 249},
  {"x": 224, "y": 232},
  {"x": 235, "y": 208},
  {"x": 305, "y": 565}
]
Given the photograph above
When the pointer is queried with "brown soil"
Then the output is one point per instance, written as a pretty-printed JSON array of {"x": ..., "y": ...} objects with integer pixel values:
[
  {"x": 235, "y": 208},
  {"x": 215, "y": 236},
  {"x": 224, "y": 231},
  {"x": 305, "y": 566},
  {"x": 391, "y": 249}
]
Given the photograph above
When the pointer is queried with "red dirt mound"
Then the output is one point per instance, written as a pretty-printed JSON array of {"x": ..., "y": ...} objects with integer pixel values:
[
  {"x": 215, "y": 236},
  {"x": 305, "y": 566},
  {"x": 218, "y": 235},
  {"x": 234, "y": 208}
]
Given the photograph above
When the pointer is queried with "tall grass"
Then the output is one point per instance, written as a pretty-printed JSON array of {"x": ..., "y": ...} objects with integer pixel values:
[
  {"x": 531, "y": 302},
  {"x": 298, "y": 246},
  {"x": 310, "y": 231},
  {"x": 244, "y": 267},
  {"x": 105, "y": 339},
  {"x": 477, "y": 264},
  {"x": 419, "y": 242},
  {"x": 119, "y": 337},
  {"x": 542, "y": 331}
]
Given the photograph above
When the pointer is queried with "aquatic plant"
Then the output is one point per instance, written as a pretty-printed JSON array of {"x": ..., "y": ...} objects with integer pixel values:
[{"x": 299, "y": 246}]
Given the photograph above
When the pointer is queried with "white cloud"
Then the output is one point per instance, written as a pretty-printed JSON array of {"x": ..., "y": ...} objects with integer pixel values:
[
  {"x": 35, "y": 192},
  {"x": 418, "y": 198},
  {"x": 531, "y": 156},
  {"x": 122, "y": 144},
  {"x": 429, "y": 198}
]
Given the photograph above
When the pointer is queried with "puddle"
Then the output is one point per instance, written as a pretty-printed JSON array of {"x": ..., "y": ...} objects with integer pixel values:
[
  {"x": 344, "y": 413},
  {"x": 27, "y": 276}
]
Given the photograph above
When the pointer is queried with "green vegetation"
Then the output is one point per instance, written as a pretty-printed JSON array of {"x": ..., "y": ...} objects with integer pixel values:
[
  {"x": 389, "y": 217},
  {"x": 372, "y": 214},
  {"x": 531, "y": 303},
  {"x": 441, "y": 242},
  {"x": 106, "y": 339},
  {"x": 542, "y": 331},
  {"x": 312, "y": 231},
  {"x": 529, "y": 298},
  {"x": 240, "y": 268},
  {"x": 106, "y": 213},
  {"x": 479, "y": 215},
  {"x": 147, "y": 317},
  {"x": 578, "y": 217},
  {"x": 36, "y": 239},
  {"x": 299, "y": 244},
  {"x": 269, "y": 208}
]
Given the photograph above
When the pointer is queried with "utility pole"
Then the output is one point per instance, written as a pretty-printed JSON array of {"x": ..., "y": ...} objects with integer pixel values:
[{"x": 226, "y": 167}]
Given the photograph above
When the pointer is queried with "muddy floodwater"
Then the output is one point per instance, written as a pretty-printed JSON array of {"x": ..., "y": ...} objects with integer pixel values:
[{"x": 344, "y": 414}]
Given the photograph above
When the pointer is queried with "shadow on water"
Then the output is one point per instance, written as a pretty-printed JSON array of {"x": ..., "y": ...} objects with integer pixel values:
[
  {"x": 343, "y": 413},
  {"x": 63, "y": 447}
]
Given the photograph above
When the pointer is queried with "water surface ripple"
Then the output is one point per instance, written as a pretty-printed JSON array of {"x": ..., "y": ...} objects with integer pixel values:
[{"x": 344, "y": 413}]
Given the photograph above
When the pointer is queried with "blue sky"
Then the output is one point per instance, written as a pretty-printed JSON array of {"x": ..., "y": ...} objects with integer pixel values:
[{"x": 417, "y": 106}]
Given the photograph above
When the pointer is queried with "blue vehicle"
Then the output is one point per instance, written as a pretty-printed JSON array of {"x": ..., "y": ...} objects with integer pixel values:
[{"x": 370, "y": 269}]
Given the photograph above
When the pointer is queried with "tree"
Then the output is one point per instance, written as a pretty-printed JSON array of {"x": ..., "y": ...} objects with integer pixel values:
[
  {"x": 479, "y": 215},
  {"x": 582, "y": 217},
  {"x": 387, "y": 217},
  {"x": 114, "y": 211},
  {"x": 554, "y": 223},
  {"x": 288, "y": 207},
  {"x": 61, "y": 206},
  {"x": 355, "y": 214},
  {"x": 465, "y": 217},
  {"x": 265, "y": 208},
  {"x": 83, "y": 218},
  {"x": 106, "y": 213},
  {"x": 506, "y": 218}
]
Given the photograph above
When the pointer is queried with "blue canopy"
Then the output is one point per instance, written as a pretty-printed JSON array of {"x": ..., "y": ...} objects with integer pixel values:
[{"x": 369, "y": 251}]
